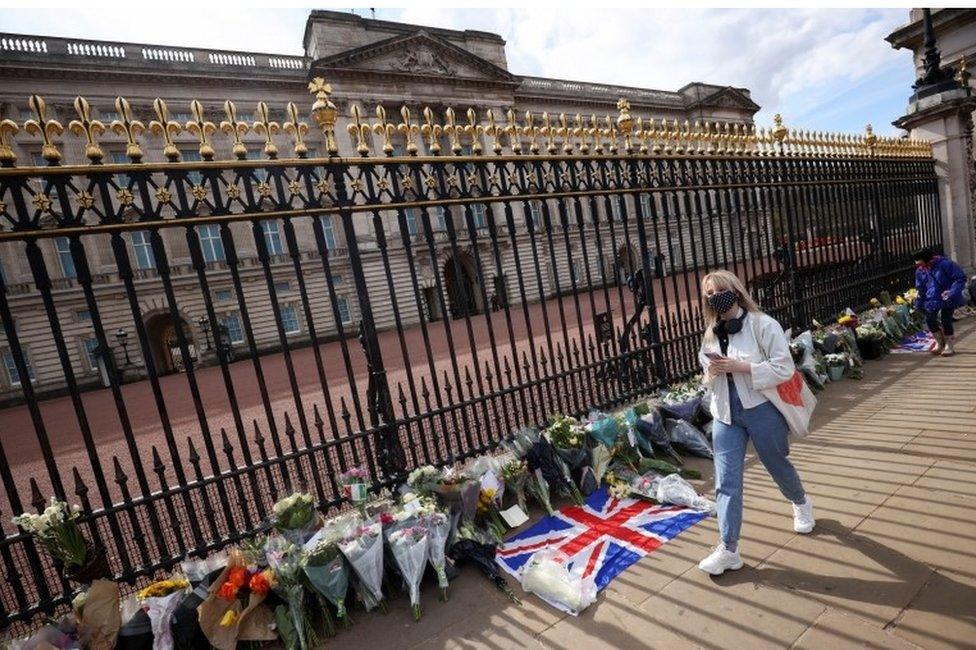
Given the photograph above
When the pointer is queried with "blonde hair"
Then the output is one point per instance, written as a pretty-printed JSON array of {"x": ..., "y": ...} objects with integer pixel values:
[{"x": 723, "y": 280}]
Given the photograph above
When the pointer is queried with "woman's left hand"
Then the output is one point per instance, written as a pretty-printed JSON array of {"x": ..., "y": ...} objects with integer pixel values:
[{"x": 725, "y": 365}]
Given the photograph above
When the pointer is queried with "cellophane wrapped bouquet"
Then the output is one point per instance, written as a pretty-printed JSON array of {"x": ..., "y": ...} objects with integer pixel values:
[{"x": 409, "y": 548}]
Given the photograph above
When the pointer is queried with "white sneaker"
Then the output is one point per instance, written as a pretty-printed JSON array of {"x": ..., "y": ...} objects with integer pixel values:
[
  {"x": 721, "y": 560},
  {"x": 803, "y": 521}
]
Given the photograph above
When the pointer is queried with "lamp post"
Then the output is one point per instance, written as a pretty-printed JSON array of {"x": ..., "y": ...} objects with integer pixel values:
[
  {"x": 934, "y": 79},
  {"x": 205, "y": 326},
  {"x": 123, "y": 338}
]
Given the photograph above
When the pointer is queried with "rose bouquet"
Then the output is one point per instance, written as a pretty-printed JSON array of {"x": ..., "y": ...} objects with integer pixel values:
[
  {"x": 295, "y": 517},
  {"x": 57, "y": 531},
  {"x": 160, "y": 600},
  {"x": 438, "y": 526},
  {"x": 409, "y": 548},
  {"x": 355, "y": 487},
  {"x": 363, "y": 547},
  {"x": 233, "y": 609},
  {"x": 326, "y": 570}
]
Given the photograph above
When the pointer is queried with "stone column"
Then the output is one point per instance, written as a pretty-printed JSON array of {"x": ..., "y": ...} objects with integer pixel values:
[{"x": 945, "y": 120}]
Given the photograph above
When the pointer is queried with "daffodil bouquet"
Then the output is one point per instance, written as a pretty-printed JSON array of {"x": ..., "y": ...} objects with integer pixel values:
[{"x": 57, "y": 531}]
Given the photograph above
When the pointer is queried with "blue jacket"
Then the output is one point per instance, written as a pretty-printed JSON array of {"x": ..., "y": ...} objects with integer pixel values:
[{"x": 945, "y": 275}]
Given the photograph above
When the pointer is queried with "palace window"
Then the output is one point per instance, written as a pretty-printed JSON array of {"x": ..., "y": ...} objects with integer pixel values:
[
  {"x": 410, "y": 215},
  {"x": 63, "y": 247},
  {"x": 260, "y": 175},
  {"x": 328, "y": 233},
  {"x": 82, "y": 315},
  {"x": 11, "y": 367},
  {"x": 91, "y": 346},
  {"x": 282, "y": 287},
  {"x": 289, "y": 320},
  {"x": 645, "y": 203},
  {"x": 441, "y": 213},
  {"x": 479, "y": 211},
  {"x": 222, "y": 295},
  {"x": 119, "y": 158},
  {"x": 616, "y": 207},
  {"x": 232, "y": 323},
  {"x": 342, "y": 306},
  {"x": 143, "y": 248},
  {"x": 211, "y": 243},
  {"x": 272, "y": 237},
  {"x": 535, "y": 214}
]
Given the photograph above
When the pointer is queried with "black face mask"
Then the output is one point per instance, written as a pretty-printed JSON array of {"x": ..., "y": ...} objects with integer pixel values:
[{"x": 723, "y": 301}]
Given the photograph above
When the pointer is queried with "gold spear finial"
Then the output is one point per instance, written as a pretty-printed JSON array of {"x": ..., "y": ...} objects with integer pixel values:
[{"x": 324, "y": 112}]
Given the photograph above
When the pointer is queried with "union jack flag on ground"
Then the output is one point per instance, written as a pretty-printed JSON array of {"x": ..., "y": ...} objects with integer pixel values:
[{"x": 603, "y": 537}]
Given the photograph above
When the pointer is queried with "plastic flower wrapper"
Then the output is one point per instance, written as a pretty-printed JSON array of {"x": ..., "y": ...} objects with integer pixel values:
[
  {"x": 459, "y": 492},
  {"x": 645, "y": 486},
  {"x": 474, "y": 547},
  {"x": 160, "y": 600},
  {"x": 522, "y": 440},
  {"x": 295, "y": 517},
  {"x": 424, "y": 479},
  {"x": 689, "y": 438},
  {"x": 664, "y": 468},
  {"x": 543, "y": 456},
  {"x": 548, "y": 576},
  {"x": 325, "y": 568},
  {"x": 488, "y": 512},
  {"x": 568, "y": 437},
  {"x": 438, "y": 526},
  {"x": 600, "y": 461},
  {"x": 254, "y": 551},
  {"x": 286, "y": 560},
  {"x": 515, "y": 475},
  {"x": 409, "y": 548},
  {"x": 355, "y": 487},
  {"x": 604, "y": 429},
  {"x": 650, "y": 434},
  {"x": 538, "y": 487},
  {"x": 674, "y": 489},
  {"x": 364, "y": 550}
]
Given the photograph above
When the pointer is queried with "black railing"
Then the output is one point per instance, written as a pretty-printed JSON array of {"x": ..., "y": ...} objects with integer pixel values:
[{"x": 289, "y": 392}]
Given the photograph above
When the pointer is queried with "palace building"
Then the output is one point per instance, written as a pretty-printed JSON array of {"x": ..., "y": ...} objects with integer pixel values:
[{"x": 368, "y": 63}]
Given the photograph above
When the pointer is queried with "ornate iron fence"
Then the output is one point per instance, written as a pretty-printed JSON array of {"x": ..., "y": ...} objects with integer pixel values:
[{"x": 497, "y": 273}]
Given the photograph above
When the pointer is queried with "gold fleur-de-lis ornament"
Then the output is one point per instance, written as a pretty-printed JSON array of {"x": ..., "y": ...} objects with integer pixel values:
[
  {"x": 359, "y": 130},
  {"x": 167, "y": 128},
  {"x": 431, "y": 132},
  {"x": 408, "y": 130},
  {"x": 45, "y": 128},
  {"x": 264, "y": 126},
  {"x": 384, "y": 129},
  {"x": 475, "y": 131},
  {"x": 296, "y": 129},
  {"x": 129, "y": 127},
  {"x": 453, "y": 130},
  {"x": 8, "y": 128},
  {"x": 89, "y": 128},
  {"x": 232, "y": 127},
  {"x": 202, "y": 129}
]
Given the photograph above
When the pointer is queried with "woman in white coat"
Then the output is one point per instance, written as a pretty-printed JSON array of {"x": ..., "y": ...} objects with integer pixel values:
[{"x": 743, "y": 352}]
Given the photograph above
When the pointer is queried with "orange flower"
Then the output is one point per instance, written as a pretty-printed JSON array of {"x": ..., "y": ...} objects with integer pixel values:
[
  {"x": 260, "y": 584},
  {"x": 237, "y": 576},
  {"x": 227, "y": 591}
]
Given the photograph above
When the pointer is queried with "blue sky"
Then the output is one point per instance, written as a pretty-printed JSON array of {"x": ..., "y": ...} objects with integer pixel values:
[{"x": 823, "y": 69}]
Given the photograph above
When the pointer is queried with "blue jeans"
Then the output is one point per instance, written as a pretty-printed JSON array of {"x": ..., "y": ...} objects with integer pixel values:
[{"x": 767, "y": 429}]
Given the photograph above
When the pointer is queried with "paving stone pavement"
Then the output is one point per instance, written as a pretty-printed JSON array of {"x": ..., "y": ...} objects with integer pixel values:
[{"x": 891, "y": 469}]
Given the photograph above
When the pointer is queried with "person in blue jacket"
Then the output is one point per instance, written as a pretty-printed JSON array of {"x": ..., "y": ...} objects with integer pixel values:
[{"x": 940, "y": 282}]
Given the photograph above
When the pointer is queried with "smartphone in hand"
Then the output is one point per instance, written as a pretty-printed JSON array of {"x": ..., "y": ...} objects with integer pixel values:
[{"x": 714, "y": 356}]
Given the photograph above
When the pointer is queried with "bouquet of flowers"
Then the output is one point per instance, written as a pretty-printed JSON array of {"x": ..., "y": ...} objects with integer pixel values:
[
  {"x": 293, "y": 619},
  {"x": 684, "y": 391},
  {"x": 160, "y": 600},
  {"x": 459, "y": 491},
  {"x": 605, "y": 429},
  {"x": 355, "y": 487},
  {"x": 544, "y": 456},
  {"x": 98, "y": 615},
  {"x": 515, "y": 474},
  {"x": 233, "y": 609},
  {"x": 57, "y": 531},
  {"x": 848, "y": 319},
  {"x": 538, "y": 487},
  {"x": 619, "y": 485},
  {"x": 438, "y": 526},
  {"x": 488, "y": 512},
  {"x": 295, "y": 517},
  {"x": 326, "y": 570},
  {"x": 472, "y": 546},
  {"x": 363, "y": 547},
  {"x": 424, "y": 479},
  {"x": 409, "y": 547}
]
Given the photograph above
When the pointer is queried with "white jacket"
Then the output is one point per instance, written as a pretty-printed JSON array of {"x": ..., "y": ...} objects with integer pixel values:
[{"x": 766, "y": 373}]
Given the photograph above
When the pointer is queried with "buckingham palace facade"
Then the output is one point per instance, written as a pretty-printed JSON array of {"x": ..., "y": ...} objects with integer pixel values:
[{"x": 367, "y": 62}]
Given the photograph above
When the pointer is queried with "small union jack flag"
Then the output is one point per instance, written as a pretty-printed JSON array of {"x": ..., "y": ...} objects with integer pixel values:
[{"x": 604, "y": 536}]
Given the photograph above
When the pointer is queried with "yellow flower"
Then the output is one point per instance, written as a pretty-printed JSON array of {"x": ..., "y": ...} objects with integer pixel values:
[
  {"x": 899, "y": 300},
  {"x": 875, "y": 302},
  {"x": 229, "y": 618}
]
